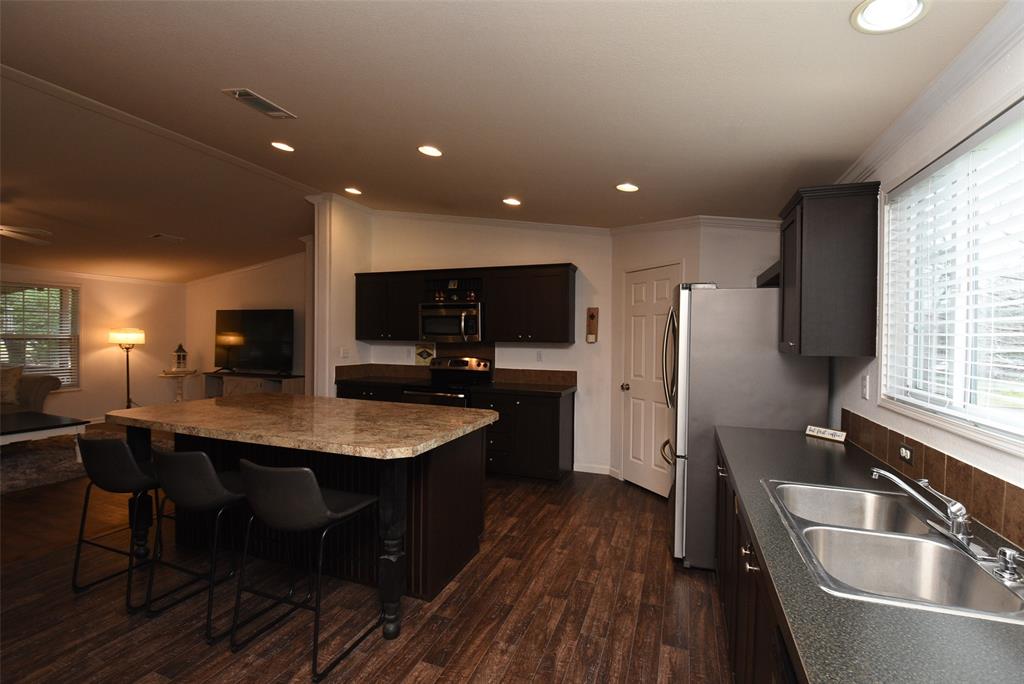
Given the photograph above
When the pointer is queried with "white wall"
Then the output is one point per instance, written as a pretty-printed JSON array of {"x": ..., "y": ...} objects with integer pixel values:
[
  {"x": 413, "y": 241},
  {"x": 277, "y": 284},
  {"x": 986, "y": 78},
  {"x": 109, "y": 302},
  {"x": 728, "y": 251}
]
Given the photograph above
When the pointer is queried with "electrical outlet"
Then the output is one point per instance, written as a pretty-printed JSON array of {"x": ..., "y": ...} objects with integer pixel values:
[
  {"x": 343, "y": 352},
  {"x": 906, "y": 454},
  {"x": 865, "y": 386},
  {"x": 540, "y": 355}
]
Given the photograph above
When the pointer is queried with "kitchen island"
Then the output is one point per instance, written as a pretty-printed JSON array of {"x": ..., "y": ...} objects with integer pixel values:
[{"x": 425, "y": 463}]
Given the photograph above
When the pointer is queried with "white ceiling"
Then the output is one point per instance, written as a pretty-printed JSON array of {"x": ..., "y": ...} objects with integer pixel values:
[{"x": 710, "y": 107}]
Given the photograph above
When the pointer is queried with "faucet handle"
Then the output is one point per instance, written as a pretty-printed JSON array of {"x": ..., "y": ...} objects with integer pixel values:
[
  {"x": 1007, "y": 569},
  {"x": 956, "y": 510}
]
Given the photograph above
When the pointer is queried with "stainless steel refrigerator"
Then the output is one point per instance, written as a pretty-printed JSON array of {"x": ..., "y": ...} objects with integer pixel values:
[{"x": 723, "y": 367}]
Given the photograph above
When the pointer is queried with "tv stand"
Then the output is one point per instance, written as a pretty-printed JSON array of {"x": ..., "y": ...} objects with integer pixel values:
[{"x": 226, "y": 383}]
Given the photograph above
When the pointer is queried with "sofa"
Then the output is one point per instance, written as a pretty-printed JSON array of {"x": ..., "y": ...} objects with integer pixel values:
[{"x": 31, "y": 393}]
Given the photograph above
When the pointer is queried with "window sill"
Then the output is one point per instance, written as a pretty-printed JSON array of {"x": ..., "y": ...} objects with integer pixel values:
[{"x": 991, "y": 438}]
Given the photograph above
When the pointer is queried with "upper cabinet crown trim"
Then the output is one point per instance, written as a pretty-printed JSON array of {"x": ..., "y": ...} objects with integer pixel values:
[{"x": 817, "y": 191}]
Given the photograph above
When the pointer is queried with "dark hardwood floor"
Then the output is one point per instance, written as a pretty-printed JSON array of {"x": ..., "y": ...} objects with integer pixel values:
[{"x": 574, "y": 582}]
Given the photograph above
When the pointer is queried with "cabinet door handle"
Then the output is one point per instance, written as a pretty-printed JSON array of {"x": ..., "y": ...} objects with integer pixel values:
[
  {"x": 517, "y": 403},
  {"x": 791, "y": 344},
  {"x": 722, "y": 472},
  {"x": 751, "y": 568},
  {"x": 745, "y": 550}
]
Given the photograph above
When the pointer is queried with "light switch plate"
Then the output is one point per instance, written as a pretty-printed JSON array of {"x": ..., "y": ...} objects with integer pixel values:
[
  {"x": 865, "y": 386},
  {"x": 825, "y": 433}
]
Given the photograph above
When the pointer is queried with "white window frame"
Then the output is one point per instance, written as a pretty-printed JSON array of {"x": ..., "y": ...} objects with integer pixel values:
[
  {"x": 955, "y": 424},
  {"x": 76, "y": 334}
]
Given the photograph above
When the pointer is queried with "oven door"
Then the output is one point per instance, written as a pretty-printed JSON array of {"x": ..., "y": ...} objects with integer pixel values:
[
  {"x": 437, "y": 398},
  {"x": 450, "y": 322}
]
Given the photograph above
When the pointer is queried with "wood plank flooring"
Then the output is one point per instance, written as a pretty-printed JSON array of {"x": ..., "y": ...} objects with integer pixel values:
[{"x": 574, "y": 582}]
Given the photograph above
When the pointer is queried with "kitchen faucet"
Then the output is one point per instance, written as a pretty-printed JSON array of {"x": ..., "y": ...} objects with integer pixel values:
[{"x": 955, "y": 515}]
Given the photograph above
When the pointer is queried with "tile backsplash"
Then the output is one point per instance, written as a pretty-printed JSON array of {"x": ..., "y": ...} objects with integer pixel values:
[{"x": 995, "y": 503}]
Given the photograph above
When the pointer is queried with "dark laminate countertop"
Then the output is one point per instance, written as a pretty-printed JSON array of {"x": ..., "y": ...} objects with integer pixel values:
[
  {"x": 547, "y": 390},
  {"x": 843, "y": 640}
]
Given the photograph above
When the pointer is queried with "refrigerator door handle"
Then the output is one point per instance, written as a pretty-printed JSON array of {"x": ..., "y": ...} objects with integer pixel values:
[
  {"x": 665, "y": 385},
  {"x": 670, "y": 457},
  {"x": 674, "y": 382}
]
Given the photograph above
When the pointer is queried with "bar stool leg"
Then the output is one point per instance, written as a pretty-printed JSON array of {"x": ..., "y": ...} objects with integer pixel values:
[
  {"x": 352, "y": 645},
  {"x": 158, "y": 552},
  {"x": 238, "y": 591},
  {"x": 135, "y": 516},
  {"x": 78, "y": 546},
  {"x": 210, "y": 637}
]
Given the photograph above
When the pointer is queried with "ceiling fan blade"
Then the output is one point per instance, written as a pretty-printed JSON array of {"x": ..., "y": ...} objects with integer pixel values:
[{"x": 35, "y": 236}]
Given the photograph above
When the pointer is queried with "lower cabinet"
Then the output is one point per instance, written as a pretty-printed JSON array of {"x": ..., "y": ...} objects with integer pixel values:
[
  {"x": 375, "y": 392},
  {"x": 533, "y": 436},
  {"x": 757, "y": 648}
]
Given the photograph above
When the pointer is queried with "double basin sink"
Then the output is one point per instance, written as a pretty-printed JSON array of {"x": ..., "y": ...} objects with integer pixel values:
[{"x": 876, "y": 546}]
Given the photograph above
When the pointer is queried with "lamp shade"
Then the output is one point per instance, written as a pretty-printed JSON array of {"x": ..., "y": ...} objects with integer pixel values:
[{"x": 126, "y": 336}]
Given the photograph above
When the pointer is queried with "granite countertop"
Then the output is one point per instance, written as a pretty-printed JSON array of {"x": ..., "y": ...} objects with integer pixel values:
[
  {"x": 371, "y": 429},
  {"x": 539, "y": 389},
  {"x": 839, "y": 639}
]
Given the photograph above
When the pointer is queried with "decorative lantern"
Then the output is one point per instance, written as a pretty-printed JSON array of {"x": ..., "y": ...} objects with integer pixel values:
[{"x": 180, "y": 359}]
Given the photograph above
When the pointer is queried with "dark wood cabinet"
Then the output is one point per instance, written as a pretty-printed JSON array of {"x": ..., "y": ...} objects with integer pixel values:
[
  {"x": 828, "y": 271},
  {"x": 370, "y": 391},
  {"x": 533, "y": 436},
  {"x": 387, "y": 306},
  {"x": 520, "y": 303},
  {"x": 757, "y": 651},
  {"x": 530, "y": 304}
]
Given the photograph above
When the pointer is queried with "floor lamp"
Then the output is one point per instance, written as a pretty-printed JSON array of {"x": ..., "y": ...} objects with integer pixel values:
[{"x": 126, "y": 339}]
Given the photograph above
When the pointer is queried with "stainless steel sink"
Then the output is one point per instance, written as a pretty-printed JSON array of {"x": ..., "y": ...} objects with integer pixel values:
[
  {"x": 851, "y": 508},
  {"x": 909, "y": 568},
  {"x": 875, "y": 546}
]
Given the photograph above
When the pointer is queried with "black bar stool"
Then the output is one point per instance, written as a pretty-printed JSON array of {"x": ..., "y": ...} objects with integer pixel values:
[
  {"x": 291, "y": 500},
  {"x": 189, "y": 480},
  {"x": 111, "y": 467}
]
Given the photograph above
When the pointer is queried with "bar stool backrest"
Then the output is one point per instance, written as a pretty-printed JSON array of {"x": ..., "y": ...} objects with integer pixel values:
[
  {"x": 110, "y": 465},
  {"x": 188, "y": 478},
  {"x": 284, "y": 498}
]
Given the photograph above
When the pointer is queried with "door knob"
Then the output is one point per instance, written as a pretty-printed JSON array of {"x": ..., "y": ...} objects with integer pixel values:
[{"x": 624, "y": 387}]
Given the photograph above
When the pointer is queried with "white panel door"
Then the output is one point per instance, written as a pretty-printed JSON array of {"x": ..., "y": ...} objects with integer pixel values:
[{"x": 647, "y": 419}]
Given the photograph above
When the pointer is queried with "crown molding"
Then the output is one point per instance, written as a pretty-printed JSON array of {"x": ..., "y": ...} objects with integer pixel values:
[
  {"x": 1001, "y": 35},
  {"x": 45, "y": 276},
  {"x": 497, "y": 223},
  {"x": 320, "y": 197},
  {"x": 700, "y": 221},
  {"x": 681, "y": 223},
  {"x": 733, "y": 223},
  {"x": 123, "y": 117},
  {"x": 251, "y": 267}
]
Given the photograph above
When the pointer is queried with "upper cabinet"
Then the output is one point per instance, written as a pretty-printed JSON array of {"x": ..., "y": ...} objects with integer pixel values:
[
  {"x": 519, "y": 303},
  {"x": 829, "y": 270},
  {"x": 387, "y": 306},
  {"x": 530, "y": 304}
]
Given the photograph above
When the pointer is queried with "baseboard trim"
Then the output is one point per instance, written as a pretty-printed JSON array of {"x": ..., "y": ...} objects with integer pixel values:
[{"x": 592, "y": 468}]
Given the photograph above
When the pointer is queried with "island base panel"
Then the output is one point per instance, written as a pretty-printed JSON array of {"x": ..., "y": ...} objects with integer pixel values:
[{"x": 442, "y": 511}]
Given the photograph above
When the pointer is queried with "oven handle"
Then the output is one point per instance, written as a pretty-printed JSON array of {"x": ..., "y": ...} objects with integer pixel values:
[
  {"x": 462, "y": 326},
  {"x": 446, "y": 395}
]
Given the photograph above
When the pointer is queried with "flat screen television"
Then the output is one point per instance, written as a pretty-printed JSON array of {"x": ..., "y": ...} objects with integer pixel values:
[{"x": 257, "y": 340}]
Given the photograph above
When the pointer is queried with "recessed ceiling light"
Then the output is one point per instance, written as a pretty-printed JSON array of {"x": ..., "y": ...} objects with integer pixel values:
[
  {"x": 354, "y": 191},
  {"x": 626, "y": 187},
  {"x": 283, "y": 146},
  {"x": 511, "y": 201},
  {"x": 430, "y": 150},
  {"x": 883, "y": 16}
]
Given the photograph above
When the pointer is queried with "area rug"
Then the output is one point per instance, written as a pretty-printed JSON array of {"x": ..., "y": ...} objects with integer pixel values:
[{"x": 45, "y": 461}]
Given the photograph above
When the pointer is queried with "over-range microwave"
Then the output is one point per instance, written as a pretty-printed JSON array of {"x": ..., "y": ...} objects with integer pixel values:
[{"x": 450, "y": 322}]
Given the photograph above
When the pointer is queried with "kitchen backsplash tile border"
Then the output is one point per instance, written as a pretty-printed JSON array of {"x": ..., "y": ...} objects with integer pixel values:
[{"x": 995, "y": 503}]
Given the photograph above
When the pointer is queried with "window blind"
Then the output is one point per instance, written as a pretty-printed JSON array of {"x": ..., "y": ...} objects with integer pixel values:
[
  {"x": 953, "y": 303},
  {"x": 39, "y": 329}
]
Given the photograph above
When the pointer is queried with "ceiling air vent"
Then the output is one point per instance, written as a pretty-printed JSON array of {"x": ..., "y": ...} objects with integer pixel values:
[
  {"x": 259, "y": 103},
  {"x": 167, "y": 238}
]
